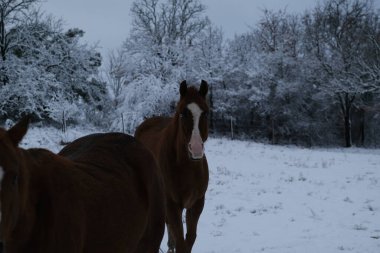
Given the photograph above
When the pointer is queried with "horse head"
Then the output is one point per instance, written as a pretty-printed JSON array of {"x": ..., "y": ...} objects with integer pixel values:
[
  {"x": 10, "y": 169},
  {"x": 192, "y": 113}
]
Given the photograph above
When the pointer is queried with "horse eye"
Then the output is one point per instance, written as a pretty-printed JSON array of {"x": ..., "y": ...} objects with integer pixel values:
[
  {"x": 205, "y": 114},
  {"x": 185, "y": 113}
]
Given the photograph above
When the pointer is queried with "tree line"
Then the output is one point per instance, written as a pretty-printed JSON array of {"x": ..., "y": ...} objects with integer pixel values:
[{"x": 311, "y": 78}]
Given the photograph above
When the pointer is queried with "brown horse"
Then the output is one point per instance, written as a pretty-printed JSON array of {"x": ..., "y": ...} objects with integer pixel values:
[
  {"x": 177, "y": 144},
  {"x": 100, "y": 194}
]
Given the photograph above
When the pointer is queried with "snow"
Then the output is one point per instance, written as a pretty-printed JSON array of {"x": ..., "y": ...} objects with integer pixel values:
[{"x": 278, "y": 199}]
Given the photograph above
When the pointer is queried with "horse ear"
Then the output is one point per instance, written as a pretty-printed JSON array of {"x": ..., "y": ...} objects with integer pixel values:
[
  {"x": 18, "y": 131},
  {"x": 203, "y": 89},
  {"x": 183, "y": 88}
]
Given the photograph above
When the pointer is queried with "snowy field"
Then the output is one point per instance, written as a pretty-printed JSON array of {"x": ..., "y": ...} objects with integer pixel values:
[{"x": 277, "y": 199}]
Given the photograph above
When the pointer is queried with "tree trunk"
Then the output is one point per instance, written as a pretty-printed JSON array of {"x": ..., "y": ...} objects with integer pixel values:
[
  {"x": 346, "y": 100},
  {"x": 3, "y": 35},
  {"x": 362, "y": 127},
  {"x": 347, "y": 130},
  {"x": 273, "y": 142},
  {"x": 3, "y": 49}
]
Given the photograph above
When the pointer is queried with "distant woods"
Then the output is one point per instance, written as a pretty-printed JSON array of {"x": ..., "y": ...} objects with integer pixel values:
[{"x": 311, "y": 78}]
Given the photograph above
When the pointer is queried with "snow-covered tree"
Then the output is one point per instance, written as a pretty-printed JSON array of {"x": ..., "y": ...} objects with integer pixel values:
[
  {"x": 163, "y": 33},
  {"x": 263, "y": 66},
  {"x": 116, "y": 73},
  {"x": 11, "y": 12},
  {"x": 341, "y": 32},
  {"x": 170, "y": 40},
  {"x": 49, "y": 71}
]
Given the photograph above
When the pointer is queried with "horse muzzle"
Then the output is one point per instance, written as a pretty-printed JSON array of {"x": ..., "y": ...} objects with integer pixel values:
[{"x": 196, "y": 147}]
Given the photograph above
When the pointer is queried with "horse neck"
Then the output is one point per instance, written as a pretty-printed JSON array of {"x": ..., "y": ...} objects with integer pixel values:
[
  {"x": 36, "y": 172},
  {"x": 30, "y": 170},
  {"x": 20, "y": 216},
  {"x": 14, "y": 206}
]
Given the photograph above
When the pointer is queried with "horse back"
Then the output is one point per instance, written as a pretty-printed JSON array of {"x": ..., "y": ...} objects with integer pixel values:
[
  {"x": 152, "y": 125},
  {"x": 119, "y": 180},
  {"x": 113, "y": 159},
  {"x": 152, "y": 133}
]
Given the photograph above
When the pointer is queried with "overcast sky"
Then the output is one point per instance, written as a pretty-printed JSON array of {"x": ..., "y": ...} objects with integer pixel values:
[{"x": 108, "y": 21}]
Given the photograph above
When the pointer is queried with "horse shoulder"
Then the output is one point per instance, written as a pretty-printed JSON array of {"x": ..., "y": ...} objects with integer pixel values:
[{"x": 152, "y": 133}]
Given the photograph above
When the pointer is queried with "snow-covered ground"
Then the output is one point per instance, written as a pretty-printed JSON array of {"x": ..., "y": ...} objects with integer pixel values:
[{"x": 264, "y": 198}]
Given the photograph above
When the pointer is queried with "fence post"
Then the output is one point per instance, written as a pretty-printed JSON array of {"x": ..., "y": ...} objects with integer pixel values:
[
  {"x": 122, "y": 122},
  {"x": 63, "y": 122},
  {"x": 232, "y": 129},
  {"x": 273, "y": 134}
]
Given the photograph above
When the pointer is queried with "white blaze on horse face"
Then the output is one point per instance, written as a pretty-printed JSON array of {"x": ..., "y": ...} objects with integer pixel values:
[{"x": 196, "y": 143}]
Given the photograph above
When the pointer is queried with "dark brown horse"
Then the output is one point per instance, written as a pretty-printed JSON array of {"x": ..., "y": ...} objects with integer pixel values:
[
  {"x": 100, "y": 194},
  {"x": 177, "y": 144}
]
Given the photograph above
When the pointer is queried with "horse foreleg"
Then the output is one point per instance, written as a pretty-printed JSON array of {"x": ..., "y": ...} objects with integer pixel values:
[
  {"x": 171, "y": 243},
  {"x": 192, "y": 218},
  {"x": 175, "y": 228}
]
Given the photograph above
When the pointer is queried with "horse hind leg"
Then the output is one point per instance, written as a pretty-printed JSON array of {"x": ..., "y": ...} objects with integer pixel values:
[
  {"x": 151, "y": 240},
  {"x": 154, "y": 232}
]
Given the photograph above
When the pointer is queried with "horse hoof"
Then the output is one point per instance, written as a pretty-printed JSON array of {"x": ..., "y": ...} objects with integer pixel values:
[{"x": 171, "y": 251}]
